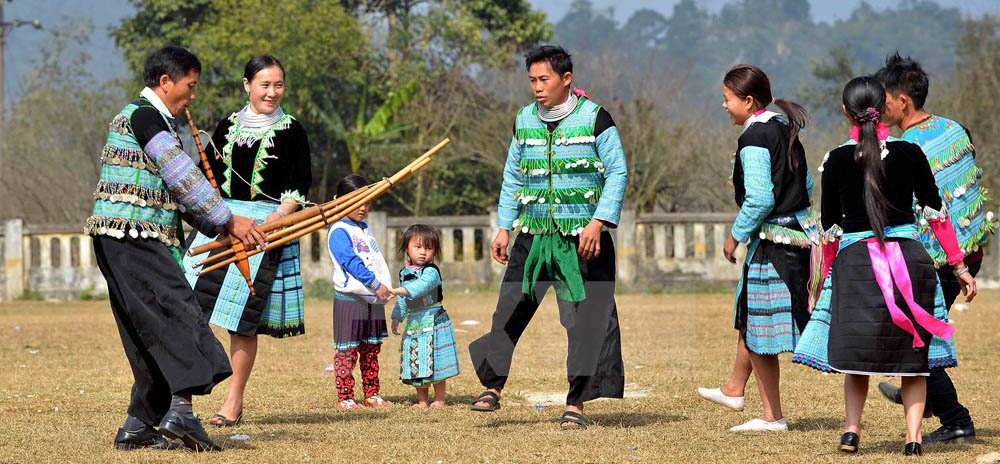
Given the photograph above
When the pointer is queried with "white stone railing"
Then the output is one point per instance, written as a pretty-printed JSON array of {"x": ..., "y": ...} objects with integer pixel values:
[{"x": 654, "y": 250}]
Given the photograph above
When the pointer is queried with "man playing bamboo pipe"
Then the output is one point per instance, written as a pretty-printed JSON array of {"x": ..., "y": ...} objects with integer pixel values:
[
  {"x": 146, "y": 180},
  {"x": 563, "y": 185}
]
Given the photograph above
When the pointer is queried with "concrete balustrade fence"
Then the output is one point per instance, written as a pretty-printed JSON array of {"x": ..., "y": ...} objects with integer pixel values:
[{"x": 655, "y": 251}]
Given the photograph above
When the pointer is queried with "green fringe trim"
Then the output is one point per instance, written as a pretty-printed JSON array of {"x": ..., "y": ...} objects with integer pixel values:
[
  {"x": 548, "y": 225},
  {"x": 540, "y": 167},
  {"x": 971, "y": 245},
  {"x": 956, "y": 152},
  {"x": 783, "y": 235},
  {"x": 531, "y": 133},
  {"x": 573, "y": 196},
  {"x": 973, "y": 209},
  {"x": 967, "y": 180}
]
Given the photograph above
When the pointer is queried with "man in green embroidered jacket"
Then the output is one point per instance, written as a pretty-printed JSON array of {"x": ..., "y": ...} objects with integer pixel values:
[
  {"x": 146, "y": 181},
  {"x": 949, "y": 150},
  {"x": 563, "y": 186}
]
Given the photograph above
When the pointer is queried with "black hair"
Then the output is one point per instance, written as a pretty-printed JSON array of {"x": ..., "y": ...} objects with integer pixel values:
[
  {"x": 260, "y": 63},
  {"x": 428, "y": 236},
  {"x": 748, "y": 80},
  {"x": 905, "y": 75},
  {"x": 861, "y": 94},
  {"x": 556, "y": 57},
  {"x": 175, "y": 62},
  {"x": 349, "y": 184}
]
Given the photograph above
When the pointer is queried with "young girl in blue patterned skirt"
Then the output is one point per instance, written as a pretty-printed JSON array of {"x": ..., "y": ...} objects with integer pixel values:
[
  {"x": 772, "y": 186},
  {"x": 427, "y": 350}
]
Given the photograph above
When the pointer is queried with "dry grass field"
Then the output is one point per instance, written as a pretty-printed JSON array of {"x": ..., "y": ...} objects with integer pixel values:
[{"x": 64, "y": 385}]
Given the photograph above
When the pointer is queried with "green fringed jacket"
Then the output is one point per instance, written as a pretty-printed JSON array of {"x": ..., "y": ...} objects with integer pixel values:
[{"x": 558, "y": 180}]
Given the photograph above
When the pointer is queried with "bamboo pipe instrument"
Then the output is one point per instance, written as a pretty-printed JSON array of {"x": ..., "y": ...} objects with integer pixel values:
[
  {"x": 379, "y": 190},
  {"x": 312, "y": 214},
  {"x": 290, "y": 220},
  {"x": 322, "y": 214}
]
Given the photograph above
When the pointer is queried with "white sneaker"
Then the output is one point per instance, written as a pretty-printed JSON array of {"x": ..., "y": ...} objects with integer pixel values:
[
  {"x": 715, "y": 395},
  {"x": 761, "y": 425}
]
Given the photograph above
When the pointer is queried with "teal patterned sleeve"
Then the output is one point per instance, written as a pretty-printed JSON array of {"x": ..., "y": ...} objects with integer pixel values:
[
  {"x": 429, "y": 280},
  {"x": 509, "y": 208},
  {"x": 399, "y": 310},
  {"x": 759, "y": 199},
  {"x": 615, "y": 171}
]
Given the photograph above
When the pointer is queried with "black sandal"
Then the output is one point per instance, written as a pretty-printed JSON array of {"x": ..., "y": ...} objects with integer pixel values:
[
  {"x": 221, "y": 421},
  {"x": 491, "y": 399},
  {"x": 572, "y": 421}
]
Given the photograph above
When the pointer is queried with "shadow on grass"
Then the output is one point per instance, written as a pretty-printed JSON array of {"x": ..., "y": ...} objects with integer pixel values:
[
  {"x": 816, "y": 423},
  {"x": 322, "y": 417},
  {"x": 257, "y": 438},
  {"x": 607, "y": 420},
  {"x": 891, "y": 447}
]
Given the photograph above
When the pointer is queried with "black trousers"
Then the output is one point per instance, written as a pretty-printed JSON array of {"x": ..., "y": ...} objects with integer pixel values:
[
  {"x": 166, "y": 337},
  {"x": 942, "y": 399},
  {"x": 594, "y": 363}
]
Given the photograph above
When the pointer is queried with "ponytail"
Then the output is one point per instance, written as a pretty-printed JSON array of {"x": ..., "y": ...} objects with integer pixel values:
[
  {"x": 747, "y": 80},
  {"x": 864, "y": 99},
  {"x": 797, "y": 119}
]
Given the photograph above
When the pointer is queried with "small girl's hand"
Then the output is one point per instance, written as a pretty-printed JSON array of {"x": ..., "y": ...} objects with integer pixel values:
[
  {"x": 395, "y": 327},
  {"x": 400, "y": 291}
]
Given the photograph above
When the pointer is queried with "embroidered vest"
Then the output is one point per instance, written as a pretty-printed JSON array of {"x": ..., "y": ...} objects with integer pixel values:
[
  {"x": 950, "y": 152},
  {"x": 431, "y": 299},
  {"x": 130, "y": 196},
  {"x": 561, "y": 169}
]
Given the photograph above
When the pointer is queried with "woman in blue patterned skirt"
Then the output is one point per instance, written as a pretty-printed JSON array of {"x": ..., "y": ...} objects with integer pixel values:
[{"x": 264, "y": 173}]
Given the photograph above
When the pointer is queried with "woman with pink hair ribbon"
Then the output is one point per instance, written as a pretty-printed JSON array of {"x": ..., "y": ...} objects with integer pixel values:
[{"x": 881, "y": 310}]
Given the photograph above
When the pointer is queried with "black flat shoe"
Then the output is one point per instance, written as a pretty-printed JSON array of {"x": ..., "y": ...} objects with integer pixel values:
[
  {"x": 912, "y": 449},
  {"x": 952, "y": 435},
  {"x": 143, "y": 438},
  {"x": 849, "y": 442},
  {"x": 188, "y": 429}
]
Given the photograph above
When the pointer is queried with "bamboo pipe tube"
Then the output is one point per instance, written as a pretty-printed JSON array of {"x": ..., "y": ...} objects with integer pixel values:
[
  {"x": 372, "y": 195},
  {"x": 286, "y": 221},
  {"x": 201, "y": 151}
]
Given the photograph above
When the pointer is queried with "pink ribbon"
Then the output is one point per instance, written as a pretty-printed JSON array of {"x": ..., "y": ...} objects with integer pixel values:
[
  {"x": 830, "y": 249},
  {"x": 581, "y": 93},
  {"x": 889, "y": 264},
  {"x": 881, "y": 129}
]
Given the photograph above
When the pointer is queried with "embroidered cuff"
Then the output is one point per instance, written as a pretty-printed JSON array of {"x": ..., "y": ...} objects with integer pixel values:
[{"x": 293, "y": 195}]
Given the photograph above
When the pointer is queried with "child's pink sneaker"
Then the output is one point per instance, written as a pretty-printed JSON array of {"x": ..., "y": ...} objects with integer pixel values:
[{"x": 376, "y": 401}]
